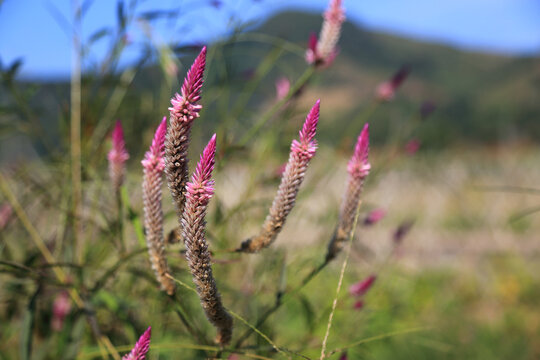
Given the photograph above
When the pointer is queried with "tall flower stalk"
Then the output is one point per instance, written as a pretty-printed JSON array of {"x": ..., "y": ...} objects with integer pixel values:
[
  {"x": 198, "y": 193},
  {"x": 301, "y": 153},
  {"x": 185, "y": 108},
  {"x": 358, "y": 169},
  {"x": 323, "y": 51},
  {"x": 153, "y": 165}
]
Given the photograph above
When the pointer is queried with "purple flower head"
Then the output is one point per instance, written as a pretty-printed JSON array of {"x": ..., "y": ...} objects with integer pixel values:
[
  {"x": 153, "y": 159},
  {"x": 402, "y": 231},
  {"x": 118, "y": 153},
  {"x": 184, "y": 106},
  {"x": 358, "y": 305},
  {"x": 201, "y": 186},
  {"x": 359, "y": 165},
  {"x": 374, "y": 217},
  {"x": 343, "y": 356},
  {"x": 387, "y": 90},
  {"x": 283, "y": 85},
  {"x": 362, "y": 287},
  {"x": 426, "y": 109},
  {"x": 141, "y": 347},
  {"x": 61, "y": 308},
  {"x": 311, "y": 52},
  {"x": 412, "y": 146},
  {"x": 322, "y": 51},
  {"x": 307, "y": 145}
]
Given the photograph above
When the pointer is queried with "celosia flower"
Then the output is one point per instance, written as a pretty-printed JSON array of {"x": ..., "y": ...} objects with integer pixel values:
[
  {"x": 402, "y": 230},
  {"x": 412, "y": 146},
  {"x": 302, "y": 151},
  {"x": 387, "y": 90},
  {"x": 61, "y": 308},
  {"x": 323, "y": 51},
  {"x": 358, "y": 168},
  {"x": 185, "y": 108},
  {"x": 374, "y": 217},
  {"x": 426, "y": 109},
  {"x": 198, "y": 193},
  {"x": 283, "y": 85},
  {"x": 5, "y": 215},
  {"x": 153, "y": 165},
  {"x": 141, "y": 347},
  {"x": 117, "y": 157},
  {"x": 343, "y": 356},
  {"x": 358, "y": 304},
  {"x": 362, "y": 287}
]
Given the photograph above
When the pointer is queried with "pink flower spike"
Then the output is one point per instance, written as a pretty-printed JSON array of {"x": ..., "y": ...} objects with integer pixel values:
[
  {"x": 362, "y": 287},
  {"x": 153, "y": 159},
  {"x": 358, "y": 305},
  {"x": 307, "y": 145},
  {"x": 374, "y": 217},
  {"x": 359, "y": 165},
  {"x": 61, "y": 308},
  {"x": 117, "y": 156},
  {"x": 202, "y": 185},
  {"x": 5, "y": 215},
  {"x": 283, "y": 85},
  {"x": 185, "y": 106},
  {"x": 412, "y": 146},
  {"x": 386, "y": 90},
  {"x": 141, "y": 347}
]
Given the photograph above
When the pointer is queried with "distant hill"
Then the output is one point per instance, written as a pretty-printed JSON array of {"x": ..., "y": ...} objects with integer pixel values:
[{"x": 480, "y": 98}]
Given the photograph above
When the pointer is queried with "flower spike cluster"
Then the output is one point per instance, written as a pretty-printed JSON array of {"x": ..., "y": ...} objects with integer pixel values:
[
  {"x": 358, "y": 168},
  {"x": 141, "y": 347},
  {"x": 198, "y": 193},
  {"x": 153, "y": 165},
  {"x": 387, "y": 90},
  {"x": 185, "y": 108},
  {"x": 302, "y": 151},
  {"x": 117, "y": 157},
  {"x": 323, "y": 51}
]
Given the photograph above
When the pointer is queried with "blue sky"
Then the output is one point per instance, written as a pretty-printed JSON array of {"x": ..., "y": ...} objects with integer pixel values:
[{"x": 35, "y": 31}]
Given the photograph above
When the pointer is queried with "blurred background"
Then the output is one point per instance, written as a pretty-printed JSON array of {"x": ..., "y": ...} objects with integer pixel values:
[{"x": 455, "y": 156}]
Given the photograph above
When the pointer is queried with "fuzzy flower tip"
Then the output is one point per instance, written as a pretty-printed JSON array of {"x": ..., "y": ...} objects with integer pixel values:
[
  {"x": 202, "y": 185},
  {"x": 153, "y": 159},
  {"x": 283, "y": 85},
  {"x": 118, "y": 153},
  {"x": 307, "y": 145},
  {"x": 387, "y": 90},
  {"x": 141, "y": 347},
  {"x": 184, "y": 105},
  {"x": 359, "y": 165},
  {"x": 362, "y": 287}
]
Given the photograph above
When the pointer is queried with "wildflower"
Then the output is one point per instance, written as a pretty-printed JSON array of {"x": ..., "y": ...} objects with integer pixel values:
[
  {"x": 402, "y": 231},
  {"x": 374, "y": 217},
  {"x": 185, "y": 108},
  {"x": 153, "y": 165},
  {"x": 299, "y": 157},
  {"x": 358, "y": 304},
  {"x": 426, "y": 109},
  {"x": 117, "y": 157},
  {"x": 358, "y": 168},
  {"x": 283, "y": 85},
  {"x": 5, "y": 215},
  {"x": 386, "y": 90},
  {"x": 412, "y": 146},
  {"x": 198, "y": 193},
  {"x": 61, "y": 308},
  {"x": 141, "y": 347},
  {"x": 362, "y": 287},
  {"x": 323, "y": 51}
]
